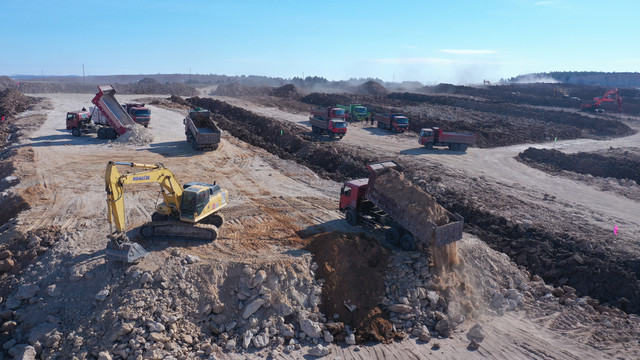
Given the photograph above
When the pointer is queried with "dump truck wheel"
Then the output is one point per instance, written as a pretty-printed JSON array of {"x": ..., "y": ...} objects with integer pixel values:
[
  {"x": 463, "y": 147},
  {"x": 112, "y": 135},
  {"x": 102, "y": 134},
  {"x": 392, "y": 235},
  {"x": 75, "y": 132},
  {"x": 146, "y": 231},
  {"x": 407, "y": 242},
  {"x": 194, "y": 144},
  {"x": 146, "y": 126},
  {"x": 429, "y": 146},
  {"x": 188, "y": 137},
  {"x": 352, "y": 217}
]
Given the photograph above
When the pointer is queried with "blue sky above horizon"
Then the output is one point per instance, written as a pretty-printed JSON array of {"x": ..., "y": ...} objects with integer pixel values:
[{"x": 457, "y": 42}]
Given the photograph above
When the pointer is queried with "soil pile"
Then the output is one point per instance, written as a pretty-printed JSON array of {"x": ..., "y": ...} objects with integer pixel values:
[
  {"x": 288, "y": 91},
  {"x": 326, "y": 100},
  {"x": 6, "y": 82},
  {"x": 371, "y": 88},
  {"x": 12, "y": 101},
  {"x": 421, "y": 206},
  {"x": 586, "y": 163},
  {"x": 353, "y": 269},
  {"x": 236, "y": 89},
  {"x": 136, "y": 135}
]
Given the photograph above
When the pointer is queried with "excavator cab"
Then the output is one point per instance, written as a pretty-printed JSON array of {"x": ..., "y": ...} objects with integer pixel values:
[{"x": 200, "y": 200}]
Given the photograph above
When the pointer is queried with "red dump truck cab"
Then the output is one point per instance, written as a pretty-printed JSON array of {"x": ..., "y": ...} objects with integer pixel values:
[
  {"x": 328, "y": 121},
  {"x": 75, "y": 120},
  {"x": 139, "y": 113},
  {"x": 352, "y": 193},
  {"x": 394, "y": 122},
  {"x": 454, "y": 141}
]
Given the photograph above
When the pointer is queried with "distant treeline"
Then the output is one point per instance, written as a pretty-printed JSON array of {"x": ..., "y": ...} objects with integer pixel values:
[{"x": 617, "y": 79}]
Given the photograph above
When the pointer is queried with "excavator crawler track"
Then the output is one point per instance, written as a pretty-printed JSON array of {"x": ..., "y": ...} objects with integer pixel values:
[{"x": 205, "y": 232}]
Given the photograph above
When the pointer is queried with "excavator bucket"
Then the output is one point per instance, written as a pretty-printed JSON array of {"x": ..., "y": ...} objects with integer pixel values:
[{"x": 127, "y": 252}]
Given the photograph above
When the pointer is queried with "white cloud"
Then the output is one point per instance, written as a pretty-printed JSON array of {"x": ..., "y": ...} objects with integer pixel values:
[
  {"x": 432, "y": 61},
  {"x": 468, "y": 52},
  {"x": 414, "y": 60}
]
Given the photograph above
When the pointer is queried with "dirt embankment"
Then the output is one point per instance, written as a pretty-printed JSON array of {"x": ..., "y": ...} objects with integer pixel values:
[
  {"x": 353, "y": 269},
  {"x": 586, "y": 163},
  {"x": 12, "y": 102},
  {"x": 144, "y": 86}
]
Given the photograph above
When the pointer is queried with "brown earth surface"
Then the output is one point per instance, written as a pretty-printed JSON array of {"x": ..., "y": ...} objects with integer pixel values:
[{"x": 543, "y": 228}]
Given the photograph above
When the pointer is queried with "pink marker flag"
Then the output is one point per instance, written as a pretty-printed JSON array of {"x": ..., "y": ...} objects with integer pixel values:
[{"x": 615, "y": 230}]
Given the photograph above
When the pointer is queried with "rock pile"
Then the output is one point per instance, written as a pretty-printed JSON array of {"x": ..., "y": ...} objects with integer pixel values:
[{"x": 136, "y": 135}]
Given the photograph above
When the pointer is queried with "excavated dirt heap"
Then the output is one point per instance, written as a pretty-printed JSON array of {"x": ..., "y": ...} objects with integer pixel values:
[
  {"x": 6, "y": 82},
  {"x": 353, "y": 270},
  {"x": 371, "y": 88},
  {"x": 235, "y": 89},
  {"x": 322, "y": 99},
  {"x": 421, "y": 205},
  {"x": 136, "y": 135},
  {"x": 586, "y": 163},
  {"x": 12, "y": 101},
  {"x": 288, "y": 91}
]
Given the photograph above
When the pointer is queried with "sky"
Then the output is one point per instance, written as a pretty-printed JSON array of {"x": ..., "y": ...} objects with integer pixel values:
[{"x": 459, "y": 42}]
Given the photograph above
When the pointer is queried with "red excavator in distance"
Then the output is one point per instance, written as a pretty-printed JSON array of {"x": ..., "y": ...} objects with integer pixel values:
[{"x": 609, "y": 96}]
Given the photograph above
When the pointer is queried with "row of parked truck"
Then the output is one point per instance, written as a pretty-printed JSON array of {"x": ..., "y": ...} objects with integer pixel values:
[{"x": 332, "y": 121}]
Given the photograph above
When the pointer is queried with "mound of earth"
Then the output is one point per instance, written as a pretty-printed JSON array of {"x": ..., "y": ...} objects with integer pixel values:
[
  {"x": 371, "y": 88},
  {"x": 136, "y": 135},
  {"x": 288, "y": 91},
  {"x": 236, "y": 89},
  {"x": 13, "y": 101},
  {"x": 6, "y": 82},
  {"x": 322, "y": 99},
  {"x": 353, "y": 269},
  {"x": 586, "y": 163}
]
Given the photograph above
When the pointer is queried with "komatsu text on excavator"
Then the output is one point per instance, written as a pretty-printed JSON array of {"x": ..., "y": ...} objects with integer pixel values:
[{"x": 189, "y": 211}]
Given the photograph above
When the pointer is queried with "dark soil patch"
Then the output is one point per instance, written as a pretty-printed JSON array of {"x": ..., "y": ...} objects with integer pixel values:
[
  {"x": 326, "y": 100},
  {"x": 288, "y": 91},
  {"x": 353, "y": 269},
  {"x": 371, "y": 88},
  {"x": 586, "y": 163}
]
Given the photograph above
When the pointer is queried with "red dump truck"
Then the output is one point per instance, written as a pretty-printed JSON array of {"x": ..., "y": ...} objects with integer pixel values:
[
  {"x": 328, "y": 121},
  {"x": 394, "y": 122},
  {"x": 138, "y": 112},
  {"x": 108, "y": 119},
  {"x": 200, "y": 130},
  {"x": 408, "y": 215},
  {"x": 455, "y": 141}
]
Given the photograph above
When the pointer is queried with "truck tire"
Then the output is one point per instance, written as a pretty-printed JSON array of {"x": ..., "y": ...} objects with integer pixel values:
[
  {"x": 392, "y": 235},
  {"x": 75, "y": 132},
  {"x": 188, "y": 137},
  {"x": 112, "y": 134},
  {"x": 146, "y": 231},
  {"x": 352, "y": 217},
  {"x": 146, "y": 126},
  {"x": 463, "y": 147},
  {"x": 102, "y": 134},
  {"x": 194, "y": 145},
  {"x": 408, "y": 243},
  {"x": 429, "y": 146}
]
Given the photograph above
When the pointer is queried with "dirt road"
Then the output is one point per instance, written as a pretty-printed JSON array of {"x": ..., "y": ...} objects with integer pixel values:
[{"x": 271, "y": 201}]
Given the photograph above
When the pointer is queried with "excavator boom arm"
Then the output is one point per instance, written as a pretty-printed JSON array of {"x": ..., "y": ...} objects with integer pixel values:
[{"x": 115, "y": 181}]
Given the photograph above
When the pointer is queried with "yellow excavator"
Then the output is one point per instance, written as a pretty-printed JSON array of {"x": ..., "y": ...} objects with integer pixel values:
[{"x": 190, "y": 211}]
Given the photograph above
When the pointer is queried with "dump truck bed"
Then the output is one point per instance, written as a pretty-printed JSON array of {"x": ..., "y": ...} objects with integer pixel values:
[
  {"x": 116, "y": 116},
  {"x": 412, "y": 208},
  {"x": 203, "y": 129}
]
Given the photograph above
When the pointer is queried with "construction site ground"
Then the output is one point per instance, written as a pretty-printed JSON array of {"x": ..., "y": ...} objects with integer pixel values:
[{"x": 53, "y": 188}]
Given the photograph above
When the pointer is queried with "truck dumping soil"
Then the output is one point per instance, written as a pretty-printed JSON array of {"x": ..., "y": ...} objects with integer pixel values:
[
  {"x": 616, "y": 166},
  {"x": 353, "y": 268}
]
